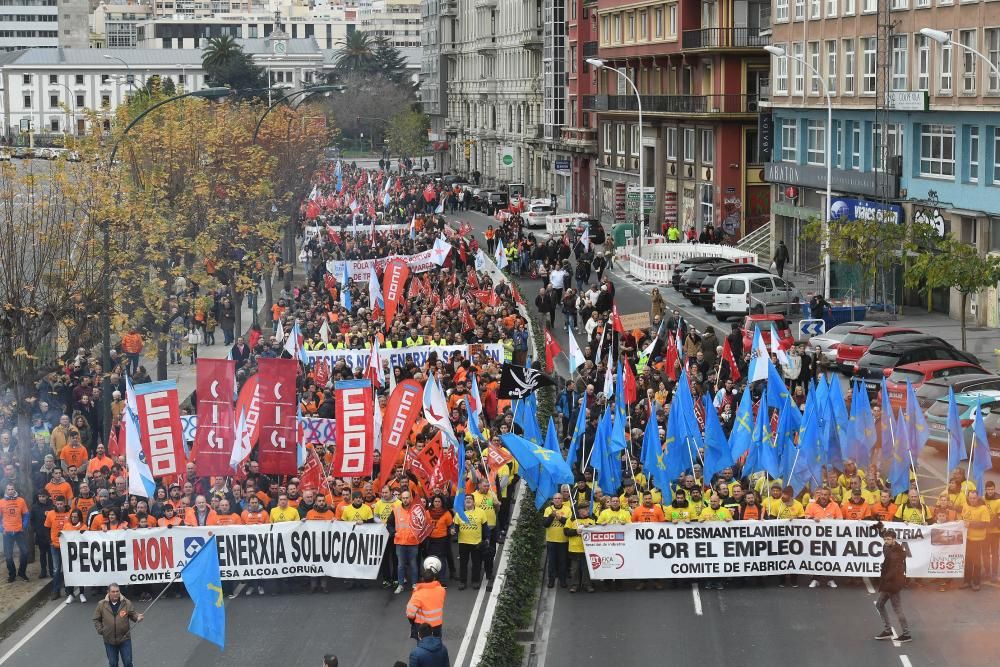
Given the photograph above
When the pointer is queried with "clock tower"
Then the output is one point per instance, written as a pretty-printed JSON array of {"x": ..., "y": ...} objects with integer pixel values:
[{"x": 278, "y": 39}]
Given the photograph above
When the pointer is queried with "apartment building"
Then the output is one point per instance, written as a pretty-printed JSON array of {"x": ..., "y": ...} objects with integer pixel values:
[{"x": 938, "y": 158}]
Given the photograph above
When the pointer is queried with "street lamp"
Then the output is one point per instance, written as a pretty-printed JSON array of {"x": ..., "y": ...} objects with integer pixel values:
[
  {"x": 305, "y": 91},
  {"x": 130, "y": 79},
  {"x": 207, "y": 93},
  {"x": 779, "y": 52},
  {"x": 597, "y": 62},
  {"x": 71, "y": 106},
  {"x": 944, "y": 39}
]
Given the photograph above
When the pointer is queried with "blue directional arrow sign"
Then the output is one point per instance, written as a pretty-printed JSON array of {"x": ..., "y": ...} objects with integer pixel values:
[{"x": 812, "y": 327}]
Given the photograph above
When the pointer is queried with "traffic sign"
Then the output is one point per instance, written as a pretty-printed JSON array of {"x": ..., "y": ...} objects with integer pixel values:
[{"x": 811, "y": 327}]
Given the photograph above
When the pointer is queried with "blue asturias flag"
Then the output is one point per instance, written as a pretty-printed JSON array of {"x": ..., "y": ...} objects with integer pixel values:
[
  {"x": 956, "y": 435},
  {"x": 739, "y": 438},
  {"x": 717, "y": 454},
  {"x": 981, "y": 459},
  {"x": 460, "y": 486},
  {"x": 758, "y": 440},
  {"x": 808, "y": 469},
  {"x": 203, "y": 582},
  {"x": 777, "y": 392},
  {"x": 917, "y": 423},
  {"x": 899, "y": 468},
  {"x": 551, "y": 439},
  {"x": 604, "y": 459},
  {"x": 789, "y": 425},
  {"x": 841, "y": 419},
  {"x": 578, "y": 432},
  {"x": 864, "y": 426},
  {"x": 527, "y": 419}
]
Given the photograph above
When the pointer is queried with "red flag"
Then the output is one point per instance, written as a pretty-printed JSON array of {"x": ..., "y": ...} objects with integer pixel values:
[
  {"x": 473, "y": 280},
  {"x": 312, "y": 472},
  {"x": 213, "y": 442},
  {"x": 631, "y": 391},
  {"x": 415, "y": 289},
  {"x": 373, "y": 370},
  {"x": 481, "y": 295},
  {"x": 321, "y": 372},
  {"x": 355, "y": 428},
  {"x": 616, "y": 321},
  {"x": 552, "y": 350},
  {"x": 114, "y": 448},
  {"x": 420, "y": 522},
  {"x": 452, "y": 302},
  {"x": 517, "y": 296},
  {"x": 278, "y": 424},
  {"x": 248, "y": 403},
  {"x": 727, "y": 356},
  {"x": 468, "y": 324},
  {"x": 671, "y": 358},
  {"x": 159, "y": 416},
  {"x": 393, "y": 282},
  {"x": 254, "y": 338}
]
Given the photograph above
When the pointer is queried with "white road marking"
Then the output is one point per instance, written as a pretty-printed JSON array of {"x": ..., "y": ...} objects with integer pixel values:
[
  {"x": 34, "y": 631},
  {"x": 905, "y": 660},
  {"x": 546, "y": 613},
  {"x": 895, "y": 637},
  {"x": 470, "y": 628},
  {"x": 868, "y": 585},
  {"x": 696, "y": 594}
]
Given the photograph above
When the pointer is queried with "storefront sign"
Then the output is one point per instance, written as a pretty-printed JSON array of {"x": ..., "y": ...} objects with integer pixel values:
[
  {"x": 812, "y": 176},
  {"x": 562, "y": 165},
  {"x": 619, "y": 202},
  {"x": 907, "y": 100},
  {"x": 869, "y": 211},
  {"x": 670, "y": 208},
  {"x": 765, "y": 136}
]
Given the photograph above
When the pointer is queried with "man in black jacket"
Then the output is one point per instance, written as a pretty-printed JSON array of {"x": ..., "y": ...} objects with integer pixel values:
[{"x": 890, "y": 582}]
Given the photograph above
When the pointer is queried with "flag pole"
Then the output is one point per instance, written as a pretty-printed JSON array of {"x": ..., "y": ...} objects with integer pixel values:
[{"x": 178, "y": 574}]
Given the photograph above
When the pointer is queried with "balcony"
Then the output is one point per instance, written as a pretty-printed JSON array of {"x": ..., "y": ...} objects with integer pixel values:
[
  {"x": 579, "y": 139},
  {"x": 449, "y": 49},
  {"x": 723, "y": 39},
  {"x": 486, "y": 46},
  {"x": 590, "y": 49},
  {"x": 531, "y": 39},
  {"x": 487, "y": 87},
  {"x": 449, "y": 9},
  {"x": 675, "y": 104},
  {"x": 486, "y": 4}
]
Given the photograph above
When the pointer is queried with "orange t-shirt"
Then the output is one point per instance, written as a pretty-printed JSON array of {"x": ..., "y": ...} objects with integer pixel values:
[
  {"x": 84, "y": 504},
  {"x": 97, "y": 463},
  {"x": 652, "y": 514},
  {"x": 64, "y": 490},
  {"x": 74, "y": 456},
  {"x": 251, "y": 518},
  {"x": 442, "y": 525},
  {"x": 231, "y": 519},
  {"x": 857, "y": 512},
  {"x": 13, "y": 510},
  {"x": 54, "y": 522},
  {"x": 164, "y": 521},
  {"x": 831, "y": 511},
  {"x": 325, "y": 515}
]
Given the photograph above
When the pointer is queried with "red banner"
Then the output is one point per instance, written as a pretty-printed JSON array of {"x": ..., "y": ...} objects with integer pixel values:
[
  {"x": 355, "y": 428},
  {"x": 160, "y": 424},
  {"x": 401, "y": 414},
  {"x": 249, "y": 403},
  {"x": 213, "y": 441},
  {"x": 393, "y": 284},
  {"x": 312, "y": 472},
  {"x": 552, "y": 350},
  {"x": 278, "y": 427}
]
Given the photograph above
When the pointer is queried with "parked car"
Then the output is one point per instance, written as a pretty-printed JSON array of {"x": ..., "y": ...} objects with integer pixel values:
[
  {"x": 536, "y": 211},
  {"x": 937, "y": 419},
  {"x": 904, "y": 349},
  {"x": 705, "y": 294},
  {"x": 764, "y": 323},
  {"x": 828, "y": 341},
  {"x": 856, "y": 343},
  {"x": 932, "y": 390},
  {"x": 675, "y": 278},
  {"x": 597, "y": 235},
  {"x": 492, "y": 201},
  {"x": 693, "y": 277},
  {"x": 922, "y": 371},
  {"x": 754, "y": 293},
  {"x": 23, "y": 152}
]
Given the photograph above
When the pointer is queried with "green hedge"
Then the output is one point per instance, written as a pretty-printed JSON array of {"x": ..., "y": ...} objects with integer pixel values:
[{"x": 525, "y": 546}]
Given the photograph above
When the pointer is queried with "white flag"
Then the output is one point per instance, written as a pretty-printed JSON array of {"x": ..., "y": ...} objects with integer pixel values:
[
  {"x": 242, "y": 446},
  {"x": 279, "y": 333},
  {"x": 436, "y": 409},
  {"x": 324, "y": 332},
  {"x": 480, "y": 260},
  {"x": 776, "y": 347},
  {"x": 500, "y": 256},
  {"x": 140, "y": 479},
  {"x": 439, "y": 253},
  {"x": 575, "y": 355}
]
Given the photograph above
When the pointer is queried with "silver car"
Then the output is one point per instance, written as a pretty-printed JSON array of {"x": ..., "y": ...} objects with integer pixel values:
[{"x": 827, "y": 341}]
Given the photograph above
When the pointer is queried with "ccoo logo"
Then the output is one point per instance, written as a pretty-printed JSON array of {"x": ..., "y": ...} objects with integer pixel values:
[{"x": 193, "y": 545}]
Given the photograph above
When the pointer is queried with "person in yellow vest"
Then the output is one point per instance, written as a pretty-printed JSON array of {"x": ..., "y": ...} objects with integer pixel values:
[
  {"x": 554, "y": 519},
  {"x": 579, "y": 569},
  {"x": 470, "y": 543},
  {"x": 486, "y": 500},
  {"x": 991, "y": 566},
  {"x": 913, "y": 510},
  {"x": 976, "y": 516},
  {"x": 382, "y": 511}
]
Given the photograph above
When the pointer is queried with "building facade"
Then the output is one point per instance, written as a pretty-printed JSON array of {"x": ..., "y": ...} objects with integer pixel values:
[
  {"x": 702, "y": 74},
  {"x": 573, "y": 166},
  {"x": 915, "y": 139}
]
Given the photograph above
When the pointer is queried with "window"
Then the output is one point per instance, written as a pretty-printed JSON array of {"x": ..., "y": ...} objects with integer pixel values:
[
  {"x": 658, "y": 23},
  {"x": 707, "y": 146},
  {"x": 831, "y": 66},
  {"x": 672, "y": 18},
  {"x": 79, "y": 79},
  {"x": 899, "y": 5},
  {"x": 752, "y": 149},
  {"x": 643, "y": 24},
  {"x": 944, "y": 69},
  {"x": 671, "y": 143},
  {"x": 848, "y": 7},
  {"x": 605, "y": 29},
  {"x": 815, "y": 68},
  {"x": 868, "y": 65},
  {"x": 937, "y": 151},
  {"x": 780, "y": 11},
  {"x": 636, "y": 140},
  {"x": 607, "y": 137},
  {"x": 689, "y": 144},
  {"x": 899, "y": 59},
  {"x": 891, "y": 147},
  {"x": 26, "y": 79},
  {"x": 789, "y": 140},
  {"x": 993, "y": 53},
  {"x": 707, "y": 201},
  {"x": 831, "y": 8},
  {"x": 620, "y": 130},
  {"x": 848, "y": 66},
  {"x": 798, "y": 70},
  {"x": 630, "y": 26},
  {"x": 856, "y": 147},
  {"x": 79, "y": 101},
  {"x": 967, "y": 38},
  {"x": 868, "y": 6},
  {"x": 105, "y": 100},
  {"x": 815, "y": 8},
  {"x": 923, "y": 45},
  {"x": 618, "y": 35},
  {"x": 800, "y": 10},
  {"x": 27, "y": 101},
  {"x": 781, "y": 74},
  {"x": 973, "y": 155},
  {"x": 54, "y": 125},
  {"x": 996, "y": 157},
  {"x": 54, "y": 79},
  {"x": 816, "y": 142},
  {"x": 53, "y": 101},
  {"x": 837, "y": 150}
]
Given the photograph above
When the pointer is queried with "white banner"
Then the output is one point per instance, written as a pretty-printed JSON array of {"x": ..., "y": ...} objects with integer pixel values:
[
  {"x": 398, "y": 356},
  {"x": 358, "y": 269},
  {"x": 268, "y": 551},
  {"x": 764, "y": 548},
  {"x": 312, "y": 231}
]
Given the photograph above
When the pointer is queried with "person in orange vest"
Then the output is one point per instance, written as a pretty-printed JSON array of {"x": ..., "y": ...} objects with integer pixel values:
[
  {"x": 406, "y": 540},
  {"x": 15, "y": 520},
  {"x": 201, "y": 514},
  {"x": 132, "y": 346},
  {"x": 426, "y": 604}
]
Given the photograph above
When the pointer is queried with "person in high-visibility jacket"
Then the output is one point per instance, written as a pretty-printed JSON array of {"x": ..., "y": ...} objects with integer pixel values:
[
  {"x": 406, "y": 540},
  {"x": 426, "y": 605}
]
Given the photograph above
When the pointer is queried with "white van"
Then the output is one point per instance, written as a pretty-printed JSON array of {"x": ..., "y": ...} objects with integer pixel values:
[{"x": 744, "y": 293}]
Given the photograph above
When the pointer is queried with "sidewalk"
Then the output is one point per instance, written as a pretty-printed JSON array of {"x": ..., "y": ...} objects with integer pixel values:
[{"x": 20, "y": 599}]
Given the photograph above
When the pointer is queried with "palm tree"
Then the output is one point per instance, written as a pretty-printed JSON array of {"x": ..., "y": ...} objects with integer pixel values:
[
  {"x": 357, "y": 53},
  {"x": 220, "y": 52}
]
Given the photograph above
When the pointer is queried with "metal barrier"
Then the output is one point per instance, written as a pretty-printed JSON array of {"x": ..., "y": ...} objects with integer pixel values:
[{"x": 659, "y": 260}]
